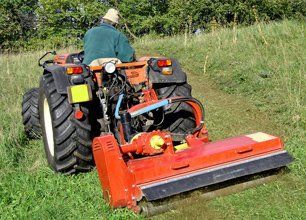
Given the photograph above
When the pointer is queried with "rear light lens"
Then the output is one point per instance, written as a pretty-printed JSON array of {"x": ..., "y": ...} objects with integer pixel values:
[
  {"x": 74, "y": 70},
  {"x": 167, "y": 71},
  {"x": 163, "y": 66},
  {"x": 78, "y": 114},
  {"x": 164, "y": 63}
]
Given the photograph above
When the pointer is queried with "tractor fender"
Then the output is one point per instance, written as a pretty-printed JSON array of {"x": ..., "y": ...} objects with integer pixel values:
[
  {"x": 60, "y": 77},
  {"x": 178, "y": 76}
]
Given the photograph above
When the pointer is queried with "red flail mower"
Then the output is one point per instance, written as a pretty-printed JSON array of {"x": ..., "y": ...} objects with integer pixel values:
[{"x": 140, "y": 126}]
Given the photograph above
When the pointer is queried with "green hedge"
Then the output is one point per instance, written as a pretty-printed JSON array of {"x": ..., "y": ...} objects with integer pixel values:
[{"x": 23, "y": 23}]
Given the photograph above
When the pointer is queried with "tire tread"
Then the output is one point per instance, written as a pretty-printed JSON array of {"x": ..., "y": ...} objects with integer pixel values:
[
  {"x": 30, "y": 114},
  {"x": 72, "y": 138}
]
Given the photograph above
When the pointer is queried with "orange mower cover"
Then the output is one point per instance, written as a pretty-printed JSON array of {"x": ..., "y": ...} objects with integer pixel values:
[{"x": 125, "y": 180}]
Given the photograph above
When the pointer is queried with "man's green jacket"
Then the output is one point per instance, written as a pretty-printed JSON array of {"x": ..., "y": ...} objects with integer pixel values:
[{"x": 106, "y": 41}]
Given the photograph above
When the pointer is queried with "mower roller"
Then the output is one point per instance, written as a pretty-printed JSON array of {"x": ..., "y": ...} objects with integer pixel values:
[{"x": 140, "y": 126}]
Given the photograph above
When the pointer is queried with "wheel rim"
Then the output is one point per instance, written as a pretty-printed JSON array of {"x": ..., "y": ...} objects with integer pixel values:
[{"x": 48, "y": 127}]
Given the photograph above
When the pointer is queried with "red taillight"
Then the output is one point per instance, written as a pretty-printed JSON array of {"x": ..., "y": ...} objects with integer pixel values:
[
  {"x": 164, "y": 63},
  {"x": 78, "y": 114},
  {"x": 74, "y": 70}
]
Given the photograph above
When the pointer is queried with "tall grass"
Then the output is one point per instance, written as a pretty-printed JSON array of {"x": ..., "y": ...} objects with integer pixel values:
[{"x": 264, "y": 62}]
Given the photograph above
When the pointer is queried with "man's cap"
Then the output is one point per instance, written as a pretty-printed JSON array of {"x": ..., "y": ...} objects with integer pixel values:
[{"x": 112, "y": 15}]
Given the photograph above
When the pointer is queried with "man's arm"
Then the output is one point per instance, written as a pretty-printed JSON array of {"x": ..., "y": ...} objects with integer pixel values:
[{"x": 125, "y": 52}]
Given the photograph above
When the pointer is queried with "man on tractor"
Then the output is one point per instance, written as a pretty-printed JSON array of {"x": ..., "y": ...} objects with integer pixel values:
[{"x": 105, "y": 41}]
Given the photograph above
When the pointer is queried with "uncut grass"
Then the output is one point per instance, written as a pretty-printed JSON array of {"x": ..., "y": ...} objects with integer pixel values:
[
  {"x": 263, "y": 88},
  {"x": 270, "y": 78}
]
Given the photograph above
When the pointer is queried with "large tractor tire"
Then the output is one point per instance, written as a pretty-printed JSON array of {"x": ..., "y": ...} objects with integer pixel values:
[
  {"x": 179, "y": 118},
  {"x": 30, "y": 114},
  {"x": 67, "y": 140}
]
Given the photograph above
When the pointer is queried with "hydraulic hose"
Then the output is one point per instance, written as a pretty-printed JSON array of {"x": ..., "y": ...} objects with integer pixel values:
[
  {"x": 142, "y": 110},
  {"x": 150, "y": 108},
  {"x": 161, "y": 104},
  {"x": 200, "y": 126},
  {"x": 117, "y": 116}
]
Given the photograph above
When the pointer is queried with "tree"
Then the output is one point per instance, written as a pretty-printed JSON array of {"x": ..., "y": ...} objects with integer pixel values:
[
  {"x": 17, "y": 21},
  {"x": 68, "y": 19}
]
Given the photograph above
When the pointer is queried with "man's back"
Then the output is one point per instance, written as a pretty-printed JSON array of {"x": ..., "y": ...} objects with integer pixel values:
[{"x": 106, "y": 42}]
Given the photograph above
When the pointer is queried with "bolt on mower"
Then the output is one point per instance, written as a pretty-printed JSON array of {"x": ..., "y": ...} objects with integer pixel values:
[{"x": 140, "y": 126}]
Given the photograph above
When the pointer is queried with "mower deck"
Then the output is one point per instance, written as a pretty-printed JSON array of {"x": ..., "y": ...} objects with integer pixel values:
[{"x": 173, "y": 172}]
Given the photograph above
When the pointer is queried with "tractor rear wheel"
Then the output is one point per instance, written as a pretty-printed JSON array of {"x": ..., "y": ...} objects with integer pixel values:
[
  {"x": 67, "y": 140},
  {"x": 30, "y": 114},
  {"x": 179, "y": 117}
]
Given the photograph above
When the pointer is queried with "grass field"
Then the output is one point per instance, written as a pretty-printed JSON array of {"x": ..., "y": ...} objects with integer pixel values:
[{"x": 249, "y": 79}]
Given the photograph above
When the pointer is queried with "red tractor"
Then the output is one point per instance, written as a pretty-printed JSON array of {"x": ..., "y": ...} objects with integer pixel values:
[{"x": 140, "y": 126}]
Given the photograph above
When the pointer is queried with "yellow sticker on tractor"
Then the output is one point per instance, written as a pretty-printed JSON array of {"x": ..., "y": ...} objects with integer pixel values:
[{"x": 79, "y": 93}]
